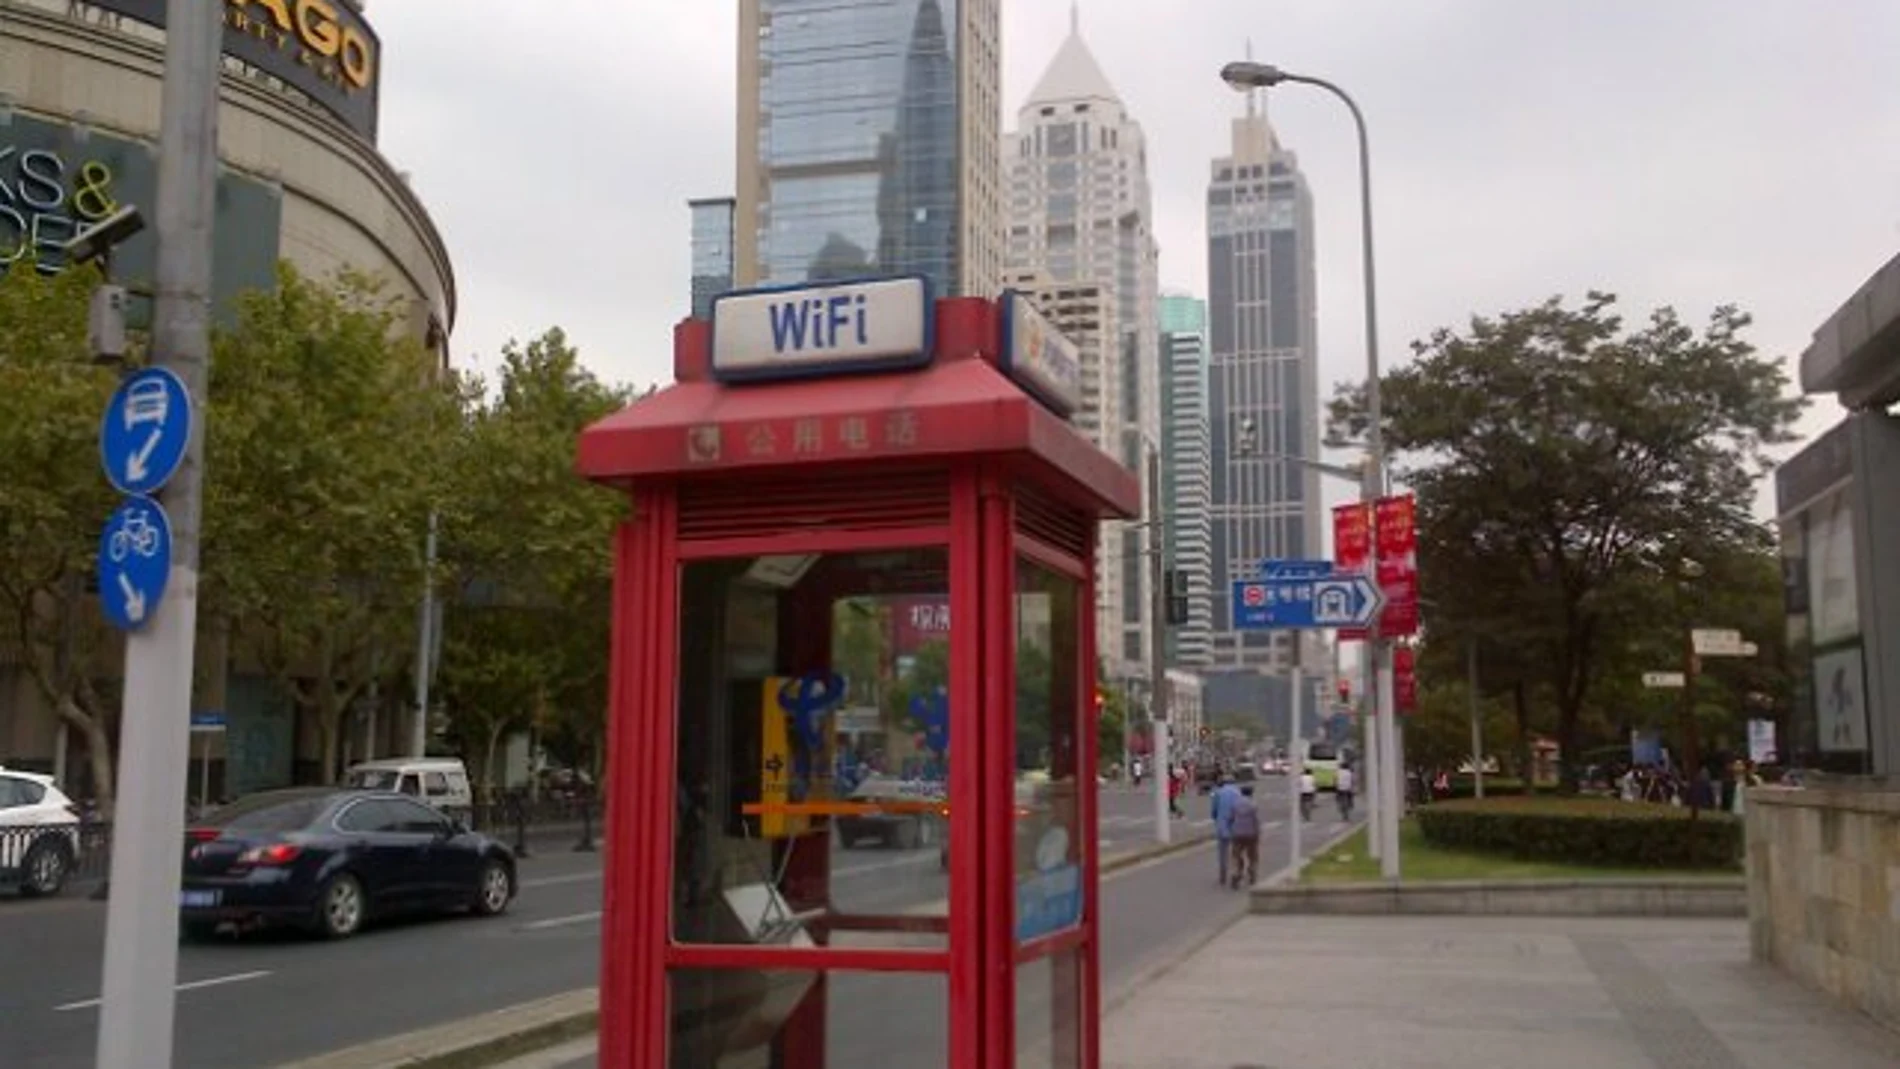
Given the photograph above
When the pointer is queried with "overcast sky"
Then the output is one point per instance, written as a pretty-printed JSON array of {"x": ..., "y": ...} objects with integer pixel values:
[{"x": 1692, "y": 152}]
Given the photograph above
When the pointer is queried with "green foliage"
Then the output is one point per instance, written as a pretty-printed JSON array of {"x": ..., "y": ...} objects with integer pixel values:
[
  {"x": 1605, "y": 832},
  {"x": 325, "y": 454},
  {"x": 53, "y": 500},
  {"x": 1571, "y": 462},
  {"x": 527, "y": 559}
]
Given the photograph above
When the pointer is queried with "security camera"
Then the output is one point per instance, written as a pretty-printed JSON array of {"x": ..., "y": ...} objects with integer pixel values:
[{"x": 100, "y": 238}]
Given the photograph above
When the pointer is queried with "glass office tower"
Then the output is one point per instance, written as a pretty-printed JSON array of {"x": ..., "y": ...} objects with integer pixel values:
[{"x": 868, "y": 142}]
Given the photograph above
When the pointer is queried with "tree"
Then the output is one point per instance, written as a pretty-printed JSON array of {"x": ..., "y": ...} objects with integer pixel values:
[
  {"x": 326, "y": 453},
  {"x": 53, "y": 500},
  {"x": 1568, "y": 461},
  {"x": 527, "y": 551}
]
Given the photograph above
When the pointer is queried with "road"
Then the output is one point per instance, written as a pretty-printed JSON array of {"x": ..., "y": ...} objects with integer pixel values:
[{"x": 263, "y": 1000}]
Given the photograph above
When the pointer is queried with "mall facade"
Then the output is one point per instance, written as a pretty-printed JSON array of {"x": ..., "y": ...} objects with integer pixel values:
[{"x": 300, "y": 181}]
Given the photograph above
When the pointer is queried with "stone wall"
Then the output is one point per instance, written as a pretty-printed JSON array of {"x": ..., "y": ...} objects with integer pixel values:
[{"x": 1824, "y": 890}]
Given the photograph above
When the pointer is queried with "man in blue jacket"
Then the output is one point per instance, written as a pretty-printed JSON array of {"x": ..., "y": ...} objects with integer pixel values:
[{"x": 1224, "y": 798}]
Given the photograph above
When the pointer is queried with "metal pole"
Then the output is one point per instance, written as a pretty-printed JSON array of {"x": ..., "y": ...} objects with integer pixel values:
[
  {"x": 1477, "y": 722},
  {"x": 1158, "y": 648},
  {"x": 425, "y": 648},
  {"x": 1379, "y": 645},
  {"x": 1297, "y": 749},
  {"x": 141, "y": 954},
  {"x": 1370, "y": 779}
]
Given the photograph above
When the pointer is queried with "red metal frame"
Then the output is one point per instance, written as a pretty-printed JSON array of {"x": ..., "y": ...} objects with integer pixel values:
[{"x": 823, "y": 540}]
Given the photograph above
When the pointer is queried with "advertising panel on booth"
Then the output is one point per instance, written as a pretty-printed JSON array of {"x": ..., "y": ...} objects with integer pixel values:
[
  {"x": 803, "y": 331},
  {"x": 1040, "y": 357}
]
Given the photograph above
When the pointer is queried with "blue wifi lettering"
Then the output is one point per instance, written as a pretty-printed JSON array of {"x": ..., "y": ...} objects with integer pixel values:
[{"x": 819, "y": 323}]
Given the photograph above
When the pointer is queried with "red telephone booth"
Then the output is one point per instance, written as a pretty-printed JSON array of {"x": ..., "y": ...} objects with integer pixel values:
[{"x": 851, "y": 817}]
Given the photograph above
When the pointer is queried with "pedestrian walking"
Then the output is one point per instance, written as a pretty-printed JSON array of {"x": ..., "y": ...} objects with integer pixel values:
[
  {"x": 1177, "y": 782},
  {"x": 1221, "y": 803},
  {"x": 1243, "y": 837},
  {"x": 1309, "y": 793},
  {"x": 1343, "y": 787}
]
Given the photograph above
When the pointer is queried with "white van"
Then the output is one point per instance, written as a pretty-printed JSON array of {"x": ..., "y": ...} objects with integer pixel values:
[{"x": 440, "y": 781}]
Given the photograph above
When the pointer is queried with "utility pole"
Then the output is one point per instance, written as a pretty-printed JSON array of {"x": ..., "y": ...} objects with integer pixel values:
[
  {"x": 141, "y": 955},
  {"x": 425, "y": 648},
  {"x": 1158, "y": 647},
  {"x": 1477, "y": 723}
]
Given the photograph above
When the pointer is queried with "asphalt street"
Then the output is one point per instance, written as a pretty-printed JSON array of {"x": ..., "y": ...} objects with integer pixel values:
[{"x": 267, "y": 999}]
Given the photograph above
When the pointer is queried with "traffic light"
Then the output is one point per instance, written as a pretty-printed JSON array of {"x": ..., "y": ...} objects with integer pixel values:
[
  {"x": 1177, "y": 590},
  {"x": 1101, "y": 701}
]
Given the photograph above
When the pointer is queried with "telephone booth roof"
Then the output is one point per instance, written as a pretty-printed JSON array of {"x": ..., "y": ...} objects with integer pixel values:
[{"x": 960, "y": 405}]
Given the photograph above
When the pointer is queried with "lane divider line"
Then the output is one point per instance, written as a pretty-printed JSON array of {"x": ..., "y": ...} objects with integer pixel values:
[
  {"x": 195, "y": 985},
  {"x": 561, "y": 922}
]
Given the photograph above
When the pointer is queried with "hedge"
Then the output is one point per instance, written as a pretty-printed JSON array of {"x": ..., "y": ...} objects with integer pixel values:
[{"x": 1586, "y": 831}]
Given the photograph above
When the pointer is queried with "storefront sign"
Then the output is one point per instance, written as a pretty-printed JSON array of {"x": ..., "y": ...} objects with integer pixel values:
[
  {"x": 323, "y": 48},
  {"x": 47, "y": 198},
  {"x": 56, "y": 180},
  {"x": 1039, "y": 357},
  {"x": 816, "y": 330}
]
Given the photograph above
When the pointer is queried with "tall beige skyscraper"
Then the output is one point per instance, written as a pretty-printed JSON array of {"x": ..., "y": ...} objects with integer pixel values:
[
  {"x": 1081, "y": 218},
  {"x": 868, "y": 142}
]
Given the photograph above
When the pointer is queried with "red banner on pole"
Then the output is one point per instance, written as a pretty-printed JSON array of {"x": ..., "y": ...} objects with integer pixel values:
[
  {"x": 1405, "y": 679},
  {"x": 1396, "y": 523},
  {"x": 1352, "y": 546}
]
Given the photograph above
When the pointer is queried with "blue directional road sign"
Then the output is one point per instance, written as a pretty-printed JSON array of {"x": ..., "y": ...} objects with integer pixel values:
[
  {"x": 1305, "y": 603},
  {"x": 135, "y": 560},
  {"x": 142, "y": 438},
  {"x": 1296, "y": 569}
]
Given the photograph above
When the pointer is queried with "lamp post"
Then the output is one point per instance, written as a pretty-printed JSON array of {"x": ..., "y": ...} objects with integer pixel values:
[{"x": 1244, "y": 76}]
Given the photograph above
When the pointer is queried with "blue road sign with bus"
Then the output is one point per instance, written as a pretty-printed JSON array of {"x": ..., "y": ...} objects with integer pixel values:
[
  {"x": 1304, "y": 602},
  {"x": 135, "y": 561},
  {"x": 143, "y": 436}
]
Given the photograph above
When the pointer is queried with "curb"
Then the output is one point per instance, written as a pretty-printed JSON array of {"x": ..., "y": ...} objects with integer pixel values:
[
  {"x": 1286, "y": 876},
  {"x": 1662, "y": 897},
  {"x": 1128, "y": 859},
  {"x": 474, "y": 1041}
]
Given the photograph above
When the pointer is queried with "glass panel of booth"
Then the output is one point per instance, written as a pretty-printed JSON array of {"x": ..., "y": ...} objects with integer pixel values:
[
  {"x": 731, "y": 1018},
  {"x": 1049, "y": 781},
  {"x": 813, "y": 751}
]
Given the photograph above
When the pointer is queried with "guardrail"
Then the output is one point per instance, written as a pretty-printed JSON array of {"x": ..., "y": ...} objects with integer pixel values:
[{"x": 82, "y": 851}]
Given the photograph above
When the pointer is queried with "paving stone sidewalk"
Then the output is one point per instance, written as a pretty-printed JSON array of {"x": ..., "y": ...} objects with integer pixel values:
[{"x": 1485, "y": 993}]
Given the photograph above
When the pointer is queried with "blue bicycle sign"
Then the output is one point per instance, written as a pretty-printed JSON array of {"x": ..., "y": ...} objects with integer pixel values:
[{"x": 135, "y": 561}]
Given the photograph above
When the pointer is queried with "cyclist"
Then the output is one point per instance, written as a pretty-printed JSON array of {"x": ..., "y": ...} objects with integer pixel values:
[{"x": 1309, "y": 793}]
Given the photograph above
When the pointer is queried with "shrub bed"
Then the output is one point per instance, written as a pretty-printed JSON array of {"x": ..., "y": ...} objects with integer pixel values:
[{"x": 1586, "y": 831}]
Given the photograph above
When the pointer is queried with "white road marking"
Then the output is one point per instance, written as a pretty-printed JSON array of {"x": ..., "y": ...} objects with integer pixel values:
[
  {"x": 561, "y": 922},
  {"x": 550, "y": 881},
  {"x": 215, "y": 981}
]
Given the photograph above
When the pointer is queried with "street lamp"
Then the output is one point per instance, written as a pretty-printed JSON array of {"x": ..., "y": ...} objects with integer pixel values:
[{"x": 1244, "y": 76}]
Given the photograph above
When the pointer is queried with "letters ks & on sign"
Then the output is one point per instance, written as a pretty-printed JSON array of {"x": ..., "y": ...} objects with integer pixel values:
[{"x": 801, "y": 331}]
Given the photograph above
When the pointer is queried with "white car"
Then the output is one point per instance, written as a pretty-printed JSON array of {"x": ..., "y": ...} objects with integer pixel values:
[{"x": 39, "y": 833}]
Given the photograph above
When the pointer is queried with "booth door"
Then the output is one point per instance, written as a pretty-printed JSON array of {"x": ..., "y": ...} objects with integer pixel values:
[
  {"x": 810, "y": 889},
  {"x": 1055, "y": 786}
]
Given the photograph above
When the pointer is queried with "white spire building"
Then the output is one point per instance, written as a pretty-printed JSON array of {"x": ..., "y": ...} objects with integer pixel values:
[{"x": 1081, "y": 233}]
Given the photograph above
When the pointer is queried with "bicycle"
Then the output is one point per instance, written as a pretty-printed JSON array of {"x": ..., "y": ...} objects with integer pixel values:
[{"x": 137, "y": 534}]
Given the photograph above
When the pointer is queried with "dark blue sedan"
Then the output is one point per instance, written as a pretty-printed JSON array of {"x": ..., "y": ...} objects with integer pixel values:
[{"x": 328, "y": 860}]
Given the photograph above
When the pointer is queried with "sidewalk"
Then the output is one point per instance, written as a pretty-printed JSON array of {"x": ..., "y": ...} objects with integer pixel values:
[{"x": 1484, "y": 993}]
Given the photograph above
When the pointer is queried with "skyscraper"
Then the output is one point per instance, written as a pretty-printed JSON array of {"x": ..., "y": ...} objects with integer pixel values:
[
  {"x": 1186, "y": 472},
  {"x": 712, "y": 251},
  {"x": 868, "y": 142},
  {"x": 1080, "y": 214},
  {"x": 1263, "y": 382}
]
